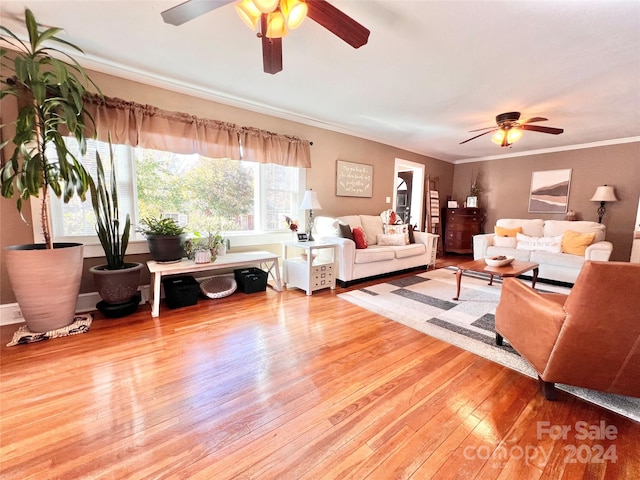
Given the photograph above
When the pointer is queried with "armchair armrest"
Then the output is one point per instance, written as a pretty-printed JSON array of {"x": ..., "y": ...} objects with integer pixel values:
[
  {"x": 599, "y": 251},
  {"x": 530, "y": 321},
  {"x": 481, "y": 243}
]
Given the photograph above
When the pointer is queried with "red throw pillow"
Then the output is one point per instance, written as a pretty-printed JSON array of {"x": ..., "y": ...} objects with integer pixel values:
[{"x": 360, "y": 238}]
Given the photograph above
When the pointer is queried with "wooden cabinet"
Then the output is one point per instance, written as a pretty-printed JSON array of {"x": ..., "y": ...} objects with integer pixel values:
[{"x": 460, "y": 225}]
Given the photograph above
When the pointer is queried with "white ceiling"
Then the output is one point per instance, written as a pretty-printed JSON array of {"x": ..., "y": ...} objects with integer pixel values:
[{"x": 432, "y": 70}]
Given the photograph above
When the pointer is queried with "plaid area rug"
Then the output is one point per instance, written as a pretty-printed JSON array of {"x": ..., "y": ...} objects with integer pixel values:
[
  {"x": 425, "y": 303},
  {"x": 81, "y": 324}
]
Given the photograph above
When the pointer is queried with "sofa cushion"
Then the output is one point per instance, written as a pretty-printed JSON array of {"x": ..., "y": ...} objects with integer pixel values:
[
  {"x": 375, "y": 254},
  {"x": 344, "y": 231},
  {"x": 392, "y": 239},
  {"x": 557, "y": 259},
  {"x": 401, "y": 228},
  {"x": 576, "y": 243},
  {"x": 352, "y": 220},
  {"x": 410, "y": 250},
  {"x": 532, "y": 227},
  {"x": 360, "y": 237},
  {"x": 509, "y": 242},
  {"x": 372, "y": 225},
  {"x": 546, "y": 244},
  {"x": 506, "y": 232},
  {"x": 523, "y": 255},
  {"x": 325, "y": 226},
  {"x": 558, "y": 227}
]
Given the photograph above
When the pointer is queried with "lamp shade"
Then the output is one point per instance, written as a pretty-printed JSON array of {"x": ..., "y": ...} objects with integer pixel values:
[
  {"x": 310, "y": 201},
  {"x": 249, "y": 13},
  {"x": 604, "y": 193}
]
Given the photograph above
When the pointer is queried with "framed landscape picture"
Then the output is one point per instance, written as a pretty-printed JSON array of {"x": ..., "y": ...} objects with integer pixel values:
[{"x": 550, "y": 191}]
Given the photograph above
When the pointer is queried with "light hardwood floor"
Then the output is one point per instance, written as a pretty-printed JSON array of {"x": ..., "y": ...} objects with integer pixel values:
[{"x": 284, "y": 386}]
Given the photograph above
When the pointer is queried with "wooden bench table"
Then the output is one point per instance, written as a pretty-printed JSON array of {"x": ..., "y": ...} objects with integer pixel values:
[{"x": 267, "y": 260}]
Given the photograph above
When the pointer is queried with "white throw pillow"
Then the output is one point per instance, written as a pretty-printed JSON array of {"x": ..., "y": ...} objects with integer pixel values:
[
  {"x": 545, "y": 244},
  {"x": 402, "y": 228},
  {"x": 391, "y": 239},
  {"x": 504, "y": 242}
]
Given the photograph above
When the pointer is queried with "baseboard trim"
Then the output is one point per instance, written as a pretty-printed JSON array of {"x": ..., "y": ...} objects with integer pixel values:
[
  {"x": 348, "y": 283},
  {"x": 10, "y": 313}
]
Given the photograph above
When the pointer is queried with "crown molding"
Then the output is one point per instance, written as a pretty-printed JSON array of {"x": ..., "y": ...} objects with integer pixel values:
[{"x": 603, "y": 143}]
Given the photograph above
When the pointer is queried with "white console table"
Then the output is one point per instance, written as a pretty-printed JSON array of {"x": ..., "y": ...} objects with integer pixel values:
[{"x": 267, "y": 260}]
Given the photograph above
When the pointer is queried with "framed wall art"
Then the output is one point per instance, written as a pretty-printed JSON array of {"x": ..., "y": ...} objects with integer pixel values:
[
  {"x": 354, "y": 179},
  {"x": 550, "y": 191}
]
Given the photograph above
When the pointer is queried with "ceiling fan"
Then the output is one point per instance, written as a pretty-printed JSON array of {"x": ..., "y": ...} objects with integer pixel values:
[
  {"x": 508, "y": 129},
  {"x": 275, "y": 18}
]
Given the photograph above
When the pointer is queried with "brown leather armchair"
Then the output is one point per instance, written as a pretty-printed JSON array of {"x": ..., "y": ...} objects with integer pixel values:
[{"x": 589, "y": 338}]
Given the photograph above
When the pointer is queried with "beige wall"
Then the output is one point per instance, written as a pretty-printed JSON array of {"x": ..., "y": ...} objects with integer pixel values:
[
  {"x": 327, "y": 148},
  {"x": 506, "y": 184}
]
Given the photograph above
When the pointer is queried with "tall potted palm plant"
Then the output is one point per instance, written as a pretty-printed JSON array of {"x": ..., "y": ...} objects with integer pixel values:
[
  {"x": 49, "y": 85},
  {"x": 116, "y": 281}
]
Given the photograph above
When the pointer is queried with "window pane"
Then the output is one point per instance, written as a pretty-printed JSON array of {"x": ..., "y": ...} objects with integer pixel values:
[
  {"x": 203, "y": 194},
  {"x": 76, "y": 218}
]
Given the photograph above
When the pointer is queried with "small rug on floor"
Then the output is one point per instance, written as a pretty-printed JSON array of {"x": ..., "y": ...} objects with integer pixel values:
[
  {"x": 424, "y": 302},
  {"x": 81, "y": 324}
]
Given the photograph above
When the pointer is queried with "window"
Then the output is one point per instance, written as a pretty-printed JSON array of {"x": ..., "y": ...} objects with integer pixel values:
[{"x": 234, "y": 197}]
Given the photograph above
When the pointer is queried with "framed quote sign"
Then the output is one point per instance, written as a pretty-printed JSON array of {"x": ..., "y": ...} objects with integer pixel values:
[{"x": 354, "y": 179}]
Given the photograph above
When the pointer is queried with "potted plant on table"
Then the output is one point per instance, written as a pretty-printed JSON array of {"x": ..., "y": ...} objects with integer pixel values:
[
  {"x": 45, "y": 277},
  {"x": 116, "y": 281},
  {"x": 165, "y": 238}
]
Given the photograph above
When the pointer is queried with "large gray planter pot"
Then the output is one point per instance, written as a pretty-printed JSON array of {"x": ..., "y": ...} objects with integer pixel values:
[
  {"x": 46, "y": 283},
  {"x": 117, "y": 286},
  {"x": 165, "y": 248}
]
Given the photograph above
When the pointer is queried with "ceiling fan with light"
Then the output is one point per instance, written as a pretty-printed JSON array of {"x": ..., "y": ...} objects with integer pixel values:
[
  {"x": 274, "y": 19},
  {"x": 509, "y": 129}
]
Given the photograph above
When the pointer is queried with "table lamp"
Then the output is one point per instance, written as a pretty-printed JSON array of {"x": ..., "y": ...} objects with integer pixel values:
[{"x": 310, "y": 202}]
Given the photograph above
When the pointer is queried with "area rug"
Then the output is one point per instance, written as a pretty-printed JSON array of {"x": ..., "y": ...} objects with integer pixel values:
[
  {"x": 424, "y": 302},
  {"x": 81, "y": 324}
]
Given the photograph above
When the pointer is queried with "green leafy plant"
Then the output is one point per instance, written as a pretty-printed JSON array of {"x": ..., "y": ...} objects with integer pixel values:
[
  {"x": 105, "y": 206},
  {"x": 160, "y": 226},
  {"x": 50, "y": 96}
]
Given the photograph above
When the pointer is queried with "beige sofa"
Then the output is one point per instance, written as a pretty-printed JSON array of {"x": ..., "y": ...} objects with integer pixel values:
[
  {"x": 556, "y": 266},
  {"x": 375, "y": 260}
]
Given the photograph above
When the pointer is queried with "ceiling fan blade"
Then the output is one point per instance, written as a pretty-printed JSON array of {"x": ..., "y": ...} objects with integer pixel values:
[
  {"x": 538, "y": 128},
  {"x": 337, "y": 23},
  {"x": 271, "y": 50},
  {"x": 191, "y": 9},
  {"x": 535, "y": 119},
  {"x": 481, "y": 129},
  {"x": 473, "y": 138}
]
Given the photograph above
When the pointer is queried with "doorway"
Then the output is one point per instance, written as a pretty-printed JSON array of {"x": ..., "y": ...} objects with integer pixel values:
[{"x": 408, "y": 190}]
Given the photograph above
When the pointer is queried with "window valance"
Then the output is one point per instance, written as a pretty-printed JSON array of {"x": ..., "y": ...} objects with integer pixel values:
[{"x": 135, "y": 124}]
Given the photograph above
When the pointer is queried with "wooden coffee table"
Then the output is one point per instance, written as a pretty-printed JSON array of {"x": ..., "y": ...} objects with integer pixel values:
[{"x": 514, "y": 269}]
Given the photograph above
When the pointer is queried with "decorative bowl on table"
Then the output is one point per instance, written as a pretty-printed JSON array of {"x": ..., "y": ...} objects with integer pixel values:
[
  {"x": 304, "y": 256},
  {"x": 498, "y": 261}
]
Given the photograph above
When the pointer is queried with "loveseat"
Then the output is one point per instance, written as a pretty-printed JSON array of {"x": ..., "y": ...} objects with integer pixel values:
[
  {"x": 389, "y": 246},
  {"x": 560, "y": 247}
]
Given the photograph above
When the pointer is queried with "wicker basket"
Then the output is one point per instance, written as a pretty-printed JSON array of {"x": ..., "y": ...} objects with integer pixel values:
[{"x": 219, "y": 286}]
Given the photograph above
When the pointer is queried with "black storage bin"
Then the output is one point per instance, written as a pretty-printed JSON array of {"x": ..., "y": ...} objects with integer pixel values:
[
  {"x": 251, "y": 280},
  {"x": 181, "y": 291}
]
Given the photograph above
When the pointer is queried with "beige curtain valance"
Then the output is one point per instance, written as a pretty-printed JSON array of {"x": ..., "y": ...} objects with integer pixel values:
[{"x": 146, "y": 126}]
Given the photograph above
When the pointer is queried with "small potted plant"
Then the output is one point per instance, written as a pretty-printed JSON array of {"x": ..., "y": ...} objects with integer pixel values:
[
  {"x": 166, "y": 239},
  {"x": 116, "y": 281}
]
